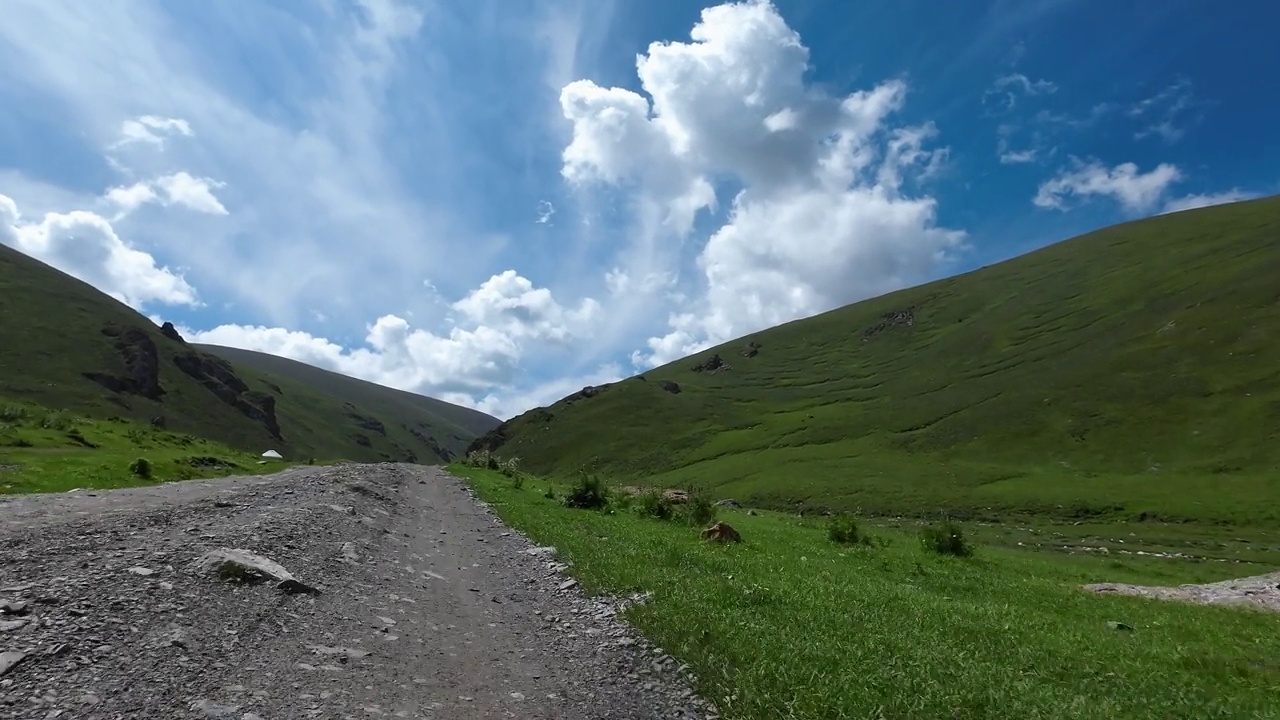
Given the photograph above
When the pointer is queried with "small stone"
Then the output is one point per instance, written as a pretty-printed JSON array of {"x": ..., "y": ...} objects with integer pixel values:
[
  {"x": 213, "y": 710},
  {"x": 7, "y": 625},
  {"x": 1116, "y": 625},
  {"x": 14, "y": 607},
  {"x": 144, "y": 572},
  {"x": 568, "y": 584},
  {"x": 9, "y": 660}
]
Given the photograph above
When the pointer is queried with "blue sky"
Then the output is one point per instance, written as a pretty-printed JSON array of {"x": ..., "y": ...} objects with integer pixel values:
[{"x": 500, "y": 201}]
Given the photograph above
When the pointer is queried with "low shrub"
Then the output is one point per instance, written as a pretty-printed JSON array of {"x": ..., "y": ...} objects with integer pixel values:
[
  {"x": 588, "y": 493},
  {"x": 945, "y": 538},
  {"x": 653, "y": 505},
  {"x": 58, "y": 421},
  {"x": 699, "y": 511},
  {"x": 843, "y": 529},
  {"x": 141, "y": 467}
]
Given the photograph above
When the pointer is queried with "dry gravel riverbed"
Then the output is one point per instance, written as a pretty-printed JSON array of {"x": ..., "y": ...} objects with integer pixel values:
[{"x": 428, "y": 607}]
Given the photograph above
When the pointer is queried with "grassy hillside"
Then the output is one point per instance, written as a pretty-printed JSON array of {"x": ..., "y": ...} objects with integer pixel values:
[
  {"x": 44, "y": 450},
  {"x": 65, "y": 345},
  {"x": 1129, "y": 373},
  {"x": 454, "y": 426}
]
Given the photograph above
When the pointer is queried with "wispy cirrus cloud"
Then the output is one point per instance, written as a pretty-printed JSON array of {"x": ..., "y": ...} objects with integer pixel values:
[{"x": 1168, "y": 113}]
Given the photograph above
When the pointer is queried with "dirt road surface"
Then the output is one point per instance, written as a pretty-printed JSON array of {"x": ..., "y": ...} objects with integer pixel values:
[{"x": 428, "y": 608}]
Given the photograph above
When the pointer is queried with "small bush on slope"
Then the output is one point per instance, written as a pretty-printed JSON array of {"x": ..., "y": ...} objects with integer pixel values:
[
  {"x": 699, "y": 511},
  {"x": 946, "y": 538},
  {"x": 588, "y": 493},
  {"x": 843, "y": 530}
]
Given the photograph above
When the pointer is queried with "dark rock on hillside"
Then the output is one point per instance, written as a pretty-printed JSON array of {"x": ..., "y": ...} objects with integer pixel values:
[
  {"x": 715, "y": 363},
  {"x": 589, "y": 391},
  {"x": 171, "y": 332},
  {"x": 897, "y": 319},
  {"x": 141, "y": 364},
  {"x": 444, "y": 453},
  {"x": 362, "y": 440},
  {"x": 368, "y": 423},
  {"x": 670, "y": 386},
  {"x": 219, "y": 378},
  {"x": 750, "y": 350}
]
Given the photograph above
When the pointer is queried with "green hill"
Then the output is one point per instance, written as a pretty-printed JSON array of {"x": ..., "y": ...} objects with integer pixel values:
[
  {"x": 1131, "y": 373},
  {"x": 454, "y": 426},
  {"x": 65, "y": 345}
]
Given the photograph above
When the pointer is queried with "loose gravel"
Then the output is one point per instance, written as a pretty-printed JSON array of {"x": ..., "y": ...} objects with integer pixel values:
[{"x": 405, "y": 597}]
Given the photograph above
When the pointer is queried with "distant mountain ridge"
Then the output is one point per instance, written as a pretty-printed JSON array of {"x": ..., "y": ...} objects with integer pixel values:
[{"x": 64, "y": 344}]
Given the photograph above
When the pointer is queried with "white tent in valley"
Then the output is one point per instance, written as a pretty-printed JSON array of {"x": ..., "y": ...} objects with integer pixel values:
[{"x": 272, "y": 455}]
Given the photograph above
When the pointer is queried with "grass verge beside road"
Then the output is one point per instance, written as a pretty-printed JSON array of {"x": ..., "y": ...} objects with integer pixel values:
[
  {"x": 790, "y": 625},
  {"x": 43, "y": 450}
]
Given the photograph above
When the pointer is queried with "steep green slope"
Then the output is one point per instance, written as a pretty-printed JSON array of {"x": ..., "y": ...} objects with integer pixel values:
[
  {"x": 453, "y": 426},
  {"x": 1131, "y": 372},
  {"x": 65, "y": 345}
]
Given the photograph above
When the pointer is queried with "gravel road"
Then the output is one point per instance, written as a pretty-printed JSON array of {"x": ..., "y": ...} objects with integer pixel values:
[{"x": 428, "y": 608}]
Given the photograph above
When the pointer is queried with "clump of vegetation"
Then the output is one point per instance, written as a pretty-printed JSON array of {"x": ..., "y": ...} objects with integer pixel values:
[
  {"x": 141, "y": 467},
  {"x": 946, "y": 538},
  {"x": 699, "y": 511},
  {"x": 486, "y": 460},
  {"x": 588, "y": 493},
  {"x": 843, "y": 529},
  {"x": 58, "y": 420},
  {"x": 482, "y": 459},
  {"x": 550, "y": 494},
  {"x": 652, "y": 504},
  {"x": 14, "y": 414}
]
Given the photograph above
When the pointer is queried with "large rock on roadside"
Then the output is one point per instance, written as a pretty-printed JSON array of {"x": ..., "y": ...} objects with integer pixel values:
[
  {"x": 721, "y": 533},
  {"x": 245, "y": 566}
]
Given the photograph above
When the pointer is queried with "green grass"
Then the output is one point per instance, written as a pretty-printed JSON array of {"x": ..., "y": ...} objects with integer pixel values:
[
  {"x": 1129, "y": 374},
  {"x": 43, "y": 450},
  {"x": 52, "y": 335},
  {"x": 792, "y": 625}
]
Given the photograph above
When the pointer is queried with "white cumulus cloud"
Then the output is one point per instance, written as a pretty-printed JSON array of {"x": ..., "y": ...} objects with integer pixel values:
[
  {"x": 822, "y": 211},
  {"x": 474, "y": 362},
  {"x": 84, "y": 245},
  {"x": 181, "y": 188},
  {"x": 1137, "y": 192}
]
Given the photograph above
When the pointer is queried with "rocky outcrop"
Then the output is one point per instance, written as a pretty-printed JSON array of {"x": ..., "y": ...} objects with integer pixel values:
[
  {"x": 364, "y": 422},
  {"x": 670, "y": 386},
  {"x": 218, "y": 377},
  {"x": 444, "y": 453},
  {"x": 750, "y": 350},
  {"x": 904, "y": 318},
  {"x": 171, "y": 332},
  {"x": 141, "y": 363},
  {"x": 713, "y": 364}
]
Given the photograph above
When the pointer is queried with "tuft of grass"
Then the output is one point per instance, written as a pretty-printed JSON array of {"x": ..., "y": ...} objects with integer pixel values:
[
  {"x": 699, "y": 511},
  {"x": 791, "y": 625},
  {"x": 652, "y": 504},
  {"x": 842, "y": 529},
  {"x": 141, "y": 467},
  {"x": 588, "y": 493},
  {"x": 946, "y": 538}
]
